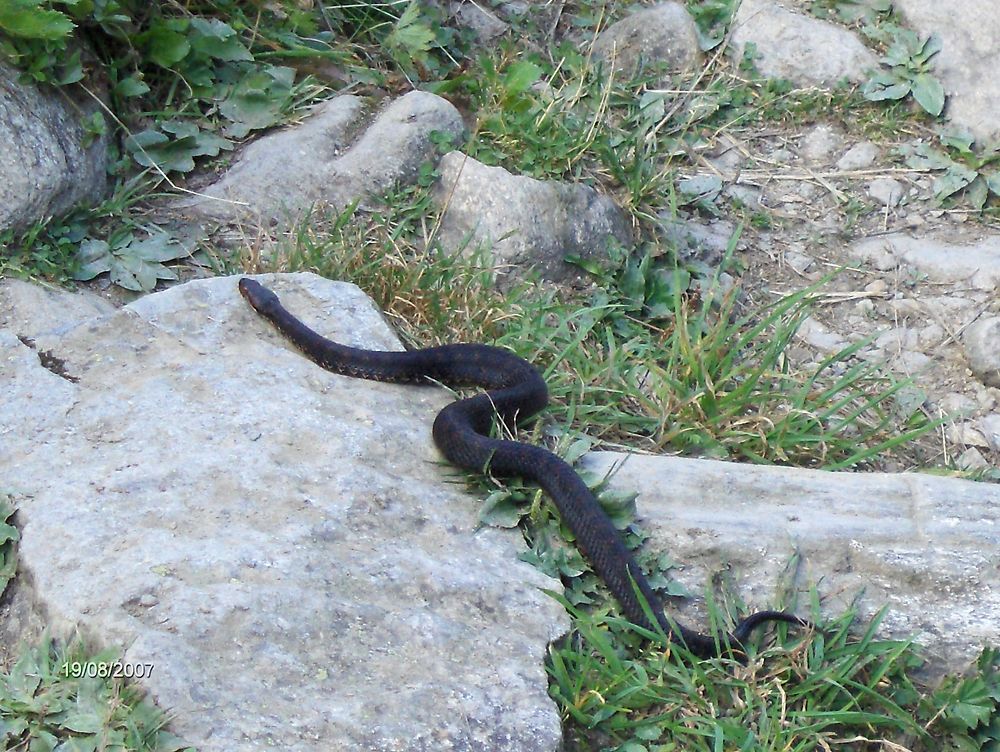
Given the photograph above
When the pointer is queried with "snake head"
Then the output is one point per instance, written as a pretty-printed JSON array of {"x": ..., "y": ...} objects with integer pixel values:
[{"x": 258, "y": 296}]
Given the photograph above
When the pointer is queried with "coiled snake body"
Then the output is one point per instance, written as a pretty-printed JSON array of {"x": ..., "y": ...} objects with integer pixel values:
[{"x": 515, "y": 390}]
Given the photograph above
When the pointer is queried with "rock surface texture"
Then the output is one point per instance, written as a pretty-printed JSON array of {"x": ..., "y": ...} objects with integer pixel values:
[
  {"x": 663, "y": 33},
  {"x": 525, "y": 222},
  {"x": 282, "y": 544},
  {"x": 928, "y": 547},
  {"x": 331, "y": 159},
  {"x": 969, "y": 30},
  {"x": 44, "y": 165},
  {"x": 799, "y": 47}
]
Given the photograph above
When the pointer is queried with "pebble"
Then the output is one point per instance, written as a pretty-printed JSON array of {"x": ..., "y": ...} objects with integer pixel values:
[
  {"x": 972, "y": 459},
  {"x": 886, "y": 191},
  {"x": 989, "y": 426},
  {"x": 858, "y": 156},
  {"x": 798, "y": 261},
  {"x": 878, "y": 287},
  {"x": 820, "y": 143},
  {"x": 981, "y": 341}
]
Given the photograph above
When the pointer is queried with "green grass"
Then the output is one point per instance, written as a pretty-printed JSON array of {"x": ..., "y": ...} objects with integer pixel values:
[
  {"x": 836, "y": 689},
  {"x": 57, "y": 697}
]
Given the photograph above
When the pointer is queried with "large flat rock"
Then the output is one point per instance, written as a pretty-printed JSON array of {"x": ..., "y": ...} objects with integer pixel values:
[
  {"x": 926, "y": 546},
  {"x": 282, "y": 544}
]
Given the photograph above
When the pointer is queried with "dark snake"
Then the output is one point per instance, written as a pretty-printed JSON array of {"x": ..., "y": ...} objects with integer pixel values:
[{"x": 515, "y": 391}]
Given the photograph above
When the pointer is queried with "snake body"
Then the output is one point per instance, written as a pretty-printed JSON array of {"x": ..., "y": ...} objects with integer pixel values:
[{"x": 515, "y": 391}]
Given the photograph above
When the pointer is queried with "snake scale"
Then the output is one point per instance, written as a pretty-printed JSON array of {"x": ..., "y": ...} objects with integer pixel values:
[{"x": 515, "y": 391}]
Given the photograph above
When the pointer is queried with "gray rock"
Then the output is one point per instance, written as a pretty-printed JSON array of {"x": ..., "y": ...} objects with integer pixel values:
[
  {"x": 663, "y": 33},
  {"x": 476, "y": 17},
  {"x": 45, "y": 168},
  {"x": 818, "y": 335},
  {"x": 972, "y": 459},
  {"x": 927, "y": 546},
  {"x": 858, "y": 157},
  {"x": 282, "y": 544},
  {"x": 981, "y": 341},
  {"x": 974, "y": 260},
  {"x": 696, "y": 239},
  {"x": 956, "y": 404},
  {"x": 800, "y": 262},
  {"x": 802, "y": 49},
  {"x": 989, "y": 425},
  {"x": 31, "y": 309},
  {"x": 329, "y": 160},
  {"x": 887, "y": 191},
  {"x": 969, "y": 57},
  {"x": 820, "y": 142},
  {"x": 526, "y": 222}
]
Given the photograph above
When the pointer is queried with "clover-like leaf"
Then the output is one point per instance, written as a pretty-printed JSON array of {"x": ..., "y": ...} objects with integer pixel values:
[
  {"x": 24, "y": 18},
  {"x": 257, "y": 100},
  {"x": 174, "y": 146},
  {"x": 165, "y": 46},
  {"x": 217, "y": 39}
]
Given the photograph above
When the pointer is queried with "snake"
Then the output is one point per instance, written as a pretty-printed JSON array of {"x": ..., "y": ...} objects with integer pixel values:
[{"x": 515, "y": 392}]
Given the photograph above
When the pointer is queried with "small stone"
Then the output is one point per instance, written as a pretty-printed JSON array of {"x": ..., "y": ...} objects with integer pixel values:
[
  {"x": 746, "y": 195},
  {"x": 819, "y": 143},
  {"x": 913, "y": 361},
  {"x": 877, "y": 287},
  {"x": 972, "y": 459},
  {"x": 663, "y": 33},
  {"x": 798, "y": 261},
  {"x": 931, "y": 335},
  {"x": 886, "y": 191},
  {"x": 989, "y": 426},
  {"x": 966, "y": 434},
  {"x": 782, "y": 156},
  {"x": 897, "y": 339},
  {"x": 956, "y": 404},
  {"x": 858, "y": 156},
  {"x": 819, "y": 336},
  {"x": 481, "y": 21},
  {"x": 148, "y": 600},
  {"x": 981, "y": 341}
]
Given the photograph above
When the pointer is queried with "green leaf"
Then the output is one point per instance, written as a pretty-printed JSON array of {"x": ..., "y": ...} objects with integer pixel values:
[
  {"x": 929, "y": 93},
  {"x": 174, "y": 152},
  {"x": 885, "y": 86},
  {"x": 955, "y": 178},
  {"x": 133, "y": 264},
  {"x": 131, "y": 86},
  {"x": 500, "y": 510},
  {"x": 42, "y": 741},
  {"x": 94, "y": 258},
  {"x": 932, "y": 46},
  {"x": 83, "y": 722},
  {"x": 410, "y": 37},
  {"x": 993, "y": 183},
  {"x": 958, "y": 139},
  {"x": 520, "y": 77},
  {"x": 217, "y": 39},
  {"x": 977, "y": 192},
  {"x": 23, "y": 18},
  {"x": 164, "y": 46},
  {"x": 258, "y": 100},
  {"x": 8, "y": 533}
]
